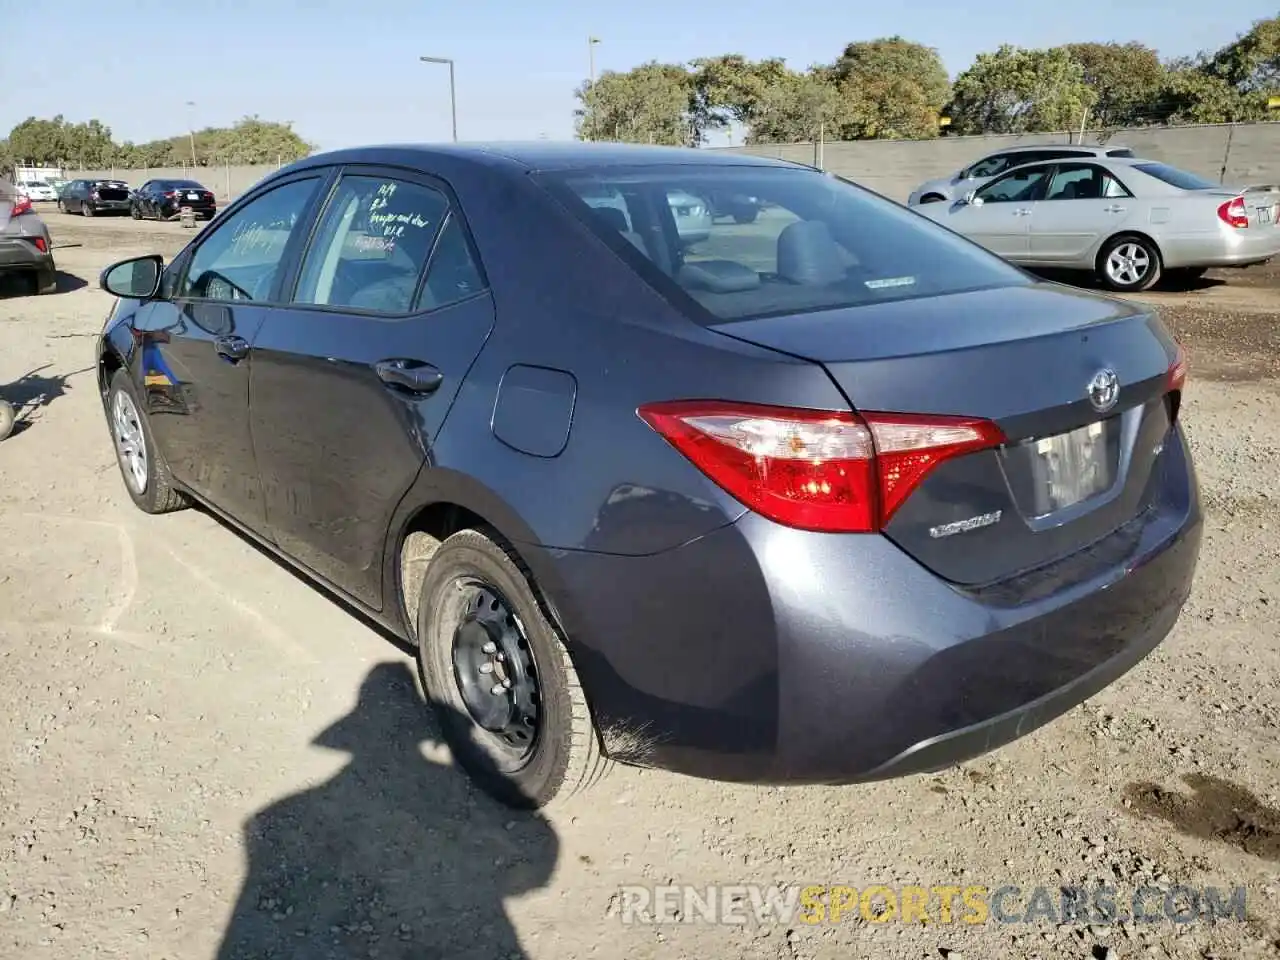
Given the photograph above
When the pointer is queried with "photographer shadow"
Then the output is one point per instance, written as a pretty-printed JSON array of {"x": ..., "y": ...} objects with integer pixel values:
[{"x": 395, "y": 856}]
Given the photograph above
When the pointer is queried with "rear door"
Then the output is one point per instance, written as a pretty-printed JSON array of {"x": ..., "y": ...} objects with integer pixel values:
[
  {"x": 1082, "y": 205},
  {"x": 352, "y": 382},
  {"x": 194, "y": 357}
]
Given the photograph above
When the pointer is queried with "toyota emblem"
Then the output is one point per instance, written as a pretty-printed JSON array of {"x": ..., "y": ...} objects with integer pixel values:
[{"x": 1104, "y": 390}]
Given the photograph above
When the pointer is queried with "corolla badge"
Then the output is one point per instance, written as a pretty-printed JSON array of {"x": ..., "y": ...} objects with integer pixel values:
[{"x": 1104, "y": 390}]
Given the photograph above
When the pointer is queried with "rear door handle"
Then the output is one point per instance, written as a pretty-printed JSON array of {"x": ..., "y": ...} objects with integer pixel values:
[
  {"x": 1024, "y": 212},
  {"x": 234, "y": 349},
  {"x": 1113, "y": 209},
  {"x": 412, "y": 376}
]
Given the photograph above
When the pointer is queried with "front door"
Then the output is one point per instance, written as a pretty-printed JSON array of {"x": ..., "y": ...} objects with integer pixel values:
[
  {"x": 1083, "y": 203},
  {"x": 352, "y": 382},
  {"x": 195, "y": 347},
  {"x": 1000, "y": 217}
]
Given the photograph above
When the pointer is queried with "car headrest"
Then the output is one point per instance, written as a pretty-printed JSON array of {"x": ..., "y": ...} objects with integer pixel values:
[
  {"x": 808, "y": 255},
  {"x": 614, "y": 218}
]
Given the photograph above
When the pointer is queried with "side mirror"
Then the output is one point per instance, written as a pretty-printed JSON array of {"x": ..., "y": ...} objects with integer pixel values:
[
  {"x": 134, "y": 279},
  {"x": 972, "y": 199}
]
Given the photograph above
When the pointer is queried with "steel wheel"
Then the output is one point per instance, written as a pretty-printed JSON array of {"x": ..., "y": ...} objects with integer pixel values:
[
  {"x": 1128, "y": 264},
  {"x": 131, "y": 441},
  {"x": 494, "y": 669}
]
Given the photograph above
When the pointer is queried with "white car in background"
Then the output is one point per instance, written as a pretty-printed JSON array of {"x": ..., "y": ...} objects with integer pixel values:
[
  {"x": 952, "y": 188},
  {"x": 36, "y": 190}
]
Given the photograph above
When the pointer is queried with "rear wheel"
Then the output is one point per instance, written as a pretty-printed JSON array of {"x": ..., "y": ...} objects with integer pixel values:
[
  {"x": 7, "y": 417},
  {"x": 146, "y": 475},
  {"x": 1129, "y": 264},
  {"x": 134, "y": 211},
  {"x": 503, "y": 688},
  {"x": 86, "y": 208},
  {"x": 62, "y": 206},
  {"x": 47, "y": 280},
  {"x": 747, "y": 215}
]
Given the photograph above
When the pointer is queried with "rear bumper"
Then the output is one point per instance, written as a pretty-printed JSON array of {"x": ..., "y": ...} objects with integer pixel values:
[
  {"x": 763, "y": 654},
  {"x": 21, "y": 254},
  {"x": 1225, "y": 248},
  {"x": 103, "y": 206},
  {"x": 173, "y": 210}
]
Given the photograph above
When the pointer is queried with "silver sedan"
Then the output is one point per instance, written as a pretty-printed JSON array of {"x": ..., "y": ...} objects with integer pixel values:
[{"x": 1129, "y": 221}]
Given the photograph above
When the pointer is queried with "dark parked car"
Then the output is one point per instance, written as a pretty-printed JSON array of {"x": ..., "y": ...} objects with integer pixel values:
[
  {"x": 90, "y": 197},
  {"x": 164, "y": 200},
  {"x": 25, "y": 245},
  {"x": 836, "y": 498}
]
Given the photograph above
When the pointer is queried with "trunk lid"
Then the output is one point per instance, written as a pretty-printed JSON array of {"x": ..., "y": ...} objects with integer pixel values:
[{"x": 1024, "y": 358}]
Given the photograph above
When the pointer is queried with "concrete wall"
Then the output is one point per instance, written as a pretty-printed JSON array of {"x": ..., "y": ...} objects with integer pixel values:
[
  {"x": 1251, "y": 153},
  {"x": 895, "y": 167}
]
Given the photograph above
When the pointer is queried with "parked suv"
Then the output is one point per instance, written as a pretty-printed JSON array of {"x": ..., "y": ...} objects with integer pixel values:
[
  {"x": 91, "y": 197},
  {"x": 972, "y": 177},
  {"x": 25, "y": 246}
]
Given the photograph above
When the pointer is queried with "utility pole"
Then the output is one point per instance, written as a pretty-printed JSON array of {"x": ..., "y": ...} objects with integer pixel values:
[
  {"x": 191, "y": 129},
  {"x": 591, "y": 90},
  {"x": 453, "y": 93}
]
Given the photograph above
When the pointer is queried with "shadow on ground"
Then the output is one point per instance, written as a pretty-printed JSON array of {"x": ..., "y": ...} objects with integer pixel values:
[
  {"x": 1167, "y": 284},
  {"x": 1215, "y": 809},
  {"x": 395, "y": 857},
  {"x": 23, "y": 284},
  {"x": 34, "y": 391}
]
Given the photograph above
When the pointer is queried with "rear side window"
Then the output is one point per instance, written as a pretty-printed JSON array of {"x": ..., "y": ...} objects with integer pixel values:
[
  {"x": 737, "y": 242},
  {"x": 373, "y": 244},
  {"x": 1121, "y": 152},
  {"x": 1181, "y": 179}
]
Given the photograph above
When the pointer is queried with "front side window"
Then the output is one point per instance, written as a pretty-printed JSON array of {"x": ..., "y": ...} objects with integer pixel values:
[
  {"x": 241, "y": 258},
  {"x": 816, "y": 242},
  {"x": 372, "y": 245},
  {"x": 1019, "y": 186}
]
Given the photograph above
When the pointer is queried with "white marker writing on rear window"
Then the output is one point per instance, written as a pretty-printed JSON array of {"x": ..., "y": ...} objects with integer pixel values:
[{"x": 889, "y": 282}]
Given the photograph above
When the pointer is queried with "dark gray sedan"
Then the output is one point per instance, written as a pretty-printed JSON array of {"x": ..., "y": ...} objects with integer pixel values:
[
  {"x": 833, "y": 495},
  {"x": 25, "y": 246}
]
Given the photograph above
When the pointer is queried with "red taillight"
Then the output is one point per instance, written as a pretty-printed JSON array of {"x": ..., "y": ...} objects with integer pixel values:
[
  {"x": 1177, "y": 377},
  {"x": 816, "y": 469},
  {"x": 41, "y": 245},
  {"x": 172, "y": 194},
  {"x": 1233, "y": 213},
  {"x": 20, "y": 206}
]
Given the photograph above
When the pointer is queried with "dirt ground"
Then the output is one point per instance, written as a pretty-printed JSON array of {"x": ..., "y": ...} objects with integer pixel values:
[{"x": 195, "y": 740}]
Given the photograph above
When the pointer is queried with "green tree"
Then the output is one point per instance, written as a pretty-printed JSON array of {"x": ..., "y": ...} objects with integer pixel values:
[
  {"x": 1193, "y": 93},
  {"x": 731, "y": 88},
  {"x": 1015, "y": 90},
  {"x": 892, "y": 88},
  {"x": 1126, "y": 80},
  {"x": 801, "y": 107},
  {"x": 1251, "y": 63},
  {"x": 650, "y": 104}
]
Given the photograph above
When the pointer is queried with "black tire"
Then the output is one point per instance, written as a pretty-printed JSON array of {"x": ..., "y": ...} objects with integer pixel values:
[
  {"x": 746, "y": 216},
  {"x": 62, "y": 207},
  {"x": 1145, "y": 278},
  {"x": 7, "y": 417},
  {"x": 564, "y": 755},
  {"x": 47, "y": 280},
  {"x": 86, "y": 208},
  {"x": 932, "y": 198},
  {"x": 159, "y": 495},
  {"x": 134, "y": 211}
]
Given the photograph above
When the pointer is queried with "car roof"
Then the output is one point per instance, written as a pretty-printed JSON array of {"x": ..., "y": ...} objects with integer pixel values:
[
  {"x": 542, "y": 155},
  {"x": 1087, "y": 147}
]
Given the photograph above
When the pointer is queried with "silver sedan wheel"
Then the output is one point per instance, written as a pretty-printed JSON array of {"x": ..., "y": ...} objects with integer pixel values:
[
  {"x": 1128, "y": 264},
  {"x": 131, "y": 442}
]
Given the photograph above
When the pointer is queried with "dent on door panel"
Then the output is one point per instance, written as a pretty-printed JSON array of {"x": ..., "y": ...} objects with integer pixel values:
[{"x": 533, "y": 410}]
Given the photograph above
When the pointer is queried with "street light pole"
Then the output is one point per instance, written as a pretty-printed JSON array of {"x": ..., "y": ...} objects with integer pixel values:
[
  {"x": 591, "y": 90},
  {"x": 453, "y": 96},
  {"x": 191, "y": 129}
]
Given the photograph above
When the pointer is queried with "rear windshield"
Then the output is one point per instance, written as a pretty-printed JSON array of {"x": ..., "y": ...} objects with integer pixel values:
[
  {"x": 185, "y": 185},
  {"x": 1175, "y": 177},
  {"x": 733, "y": 243}
]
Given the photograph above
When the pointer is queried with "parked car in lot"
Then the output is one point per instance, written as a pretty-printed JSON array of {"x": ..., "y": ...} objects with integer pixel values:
[
  {"x": 36, "y": 190},
  {"x": 1128, "y": 222},
  {"x": 692, "y": 214},
  {"x": 25, "y": 245},
  {"x": 91, "y": 197},
  {"x": 164, "y": 200},
  {"x": 972, "y": 177},
  {"x": 838, "y": 498}
]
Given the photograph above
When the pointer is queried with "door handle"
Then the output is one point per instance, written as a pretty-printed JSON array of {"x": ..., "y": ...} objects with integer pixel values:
[
  {"x": 1113, "y": 209},
  {"x": 1024, "y": 212},
  {"x": 411, "y": 376},
  {"x": 234, "y": 349}
]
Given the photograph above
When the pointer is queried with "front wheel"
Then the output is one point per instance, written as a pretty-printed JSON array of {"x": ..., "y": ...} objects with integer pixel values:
[
  {"x": 135, "y": 212},
  {"x": 146, "y": 475},
  {"x": 1129, "y": 264},
  {"x": 503, "y": 688},
  {"x": 86, "y": 208},
  {"x": 62, "y": 206}
]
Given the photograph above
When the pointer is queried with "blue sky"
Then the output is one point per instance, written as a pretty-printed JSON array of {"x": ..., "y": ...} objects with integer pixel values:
[{"x": 347, "y": 71}]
